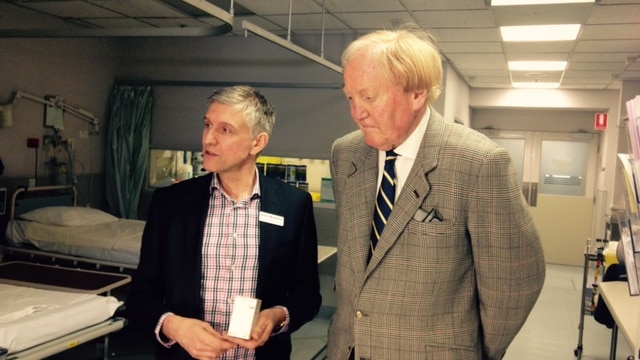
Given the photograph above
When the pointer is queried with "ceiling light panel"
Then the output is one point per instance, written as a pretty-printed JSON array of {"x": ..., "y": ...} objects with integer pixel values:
[
  {"x": 536, "y": 2},
  {"x": 537, "y": 76},
  {"x": 537, "y": 65},
  {"x": 535, "y": 85},
  {"x": 564, "y": 32}
]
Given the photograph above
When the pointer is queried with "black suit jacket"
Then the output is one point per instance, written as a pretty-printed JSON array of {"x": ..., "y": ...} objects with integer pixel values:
[{"x": 169, "y": 273}]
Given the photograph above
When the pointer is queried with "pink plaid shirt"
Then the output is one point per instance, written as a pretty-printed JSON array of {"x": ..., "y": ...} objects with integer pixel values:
[{"x": 229, "y": 258}]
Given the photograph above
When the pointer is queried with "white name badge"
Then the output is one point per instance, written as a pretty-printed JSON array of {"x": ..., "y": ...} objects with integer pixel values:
[{"x": 271, "y": 218}]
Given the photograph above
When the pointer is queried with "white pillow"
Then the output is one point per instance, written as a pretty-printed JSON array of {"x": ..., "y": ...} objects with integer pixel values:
[{"x": 68, "y": 216}]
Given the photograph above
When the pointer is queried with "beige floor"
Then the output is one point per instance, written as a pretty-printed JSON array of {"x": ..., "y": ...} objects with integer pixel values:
[{"x": 552, "y": 330}]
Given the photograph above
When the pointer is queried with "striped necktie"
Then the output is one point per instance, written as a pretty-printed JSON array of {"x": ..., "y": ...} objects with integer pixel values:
[{"x": 385, "y": 199}]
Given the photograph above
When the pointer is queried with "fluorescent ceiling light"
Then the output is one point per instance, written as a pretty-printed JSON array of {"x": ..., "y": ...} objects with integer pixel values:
[
  {"x": 536, "y": 2},
  {"x": 565, "y": 32},
  {"x": 535, "y": 85},
  {"x": 537, "y": 65}
]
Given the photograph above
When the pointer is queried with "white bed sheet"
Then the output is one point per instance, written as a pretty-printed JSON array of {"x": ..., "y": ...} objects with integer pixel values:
[
  {"x": 30, "y": 316},
  {"x": 116, "y": 241}
]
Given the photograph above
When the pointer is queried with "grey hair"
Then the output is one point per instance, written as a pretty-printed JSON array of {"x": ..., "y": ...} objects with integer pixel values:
[{"x": 259, "y": 113}]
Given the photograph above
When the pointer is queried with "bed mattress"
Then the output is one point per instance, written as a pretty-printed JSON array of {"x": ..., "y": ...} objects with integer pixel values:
[
  {"x": 30, "y": 316},
  {"x": 116, "y": 241}
]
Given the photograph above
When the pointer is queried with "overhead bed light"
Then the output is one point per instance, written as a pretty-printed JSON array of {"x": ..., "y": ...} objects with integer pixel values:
[
  {"x": 248, "y": 26},
  {"x": 562, "y": 32}
]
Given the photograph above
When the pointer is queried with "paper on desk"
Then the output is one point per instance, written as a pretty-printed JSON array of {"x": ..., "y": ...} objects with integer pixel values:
[{"x": 631, "y": 258}]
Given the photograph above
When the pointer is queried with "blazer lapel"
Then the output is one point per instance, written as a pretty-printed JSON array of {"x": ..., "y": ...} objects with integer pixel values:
[
  {"x": 361, "y": 190},
  {"x": 415, "y": 190},
  {"x": 270, "y": 202}
]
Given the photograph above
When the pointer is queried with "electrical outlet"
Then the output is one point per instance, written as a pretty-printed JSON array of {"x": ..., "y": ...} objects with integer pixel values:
[
  {"x": 83, "y": 134},
  {"x": 33, "y": 143}
]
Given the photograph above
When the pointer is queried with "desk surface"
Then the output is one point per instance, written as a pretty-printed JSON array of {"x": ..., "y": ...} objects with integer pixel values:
[
  {"x": 60, "y": 278},
  {"x": 325, "y": 252},
  {"x": 625, "y": 310}
]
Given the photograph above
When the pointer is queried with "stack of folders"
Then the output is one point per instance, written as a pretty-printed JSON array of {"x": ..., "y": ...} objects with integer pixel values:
[{"x": 630, "y": 227}]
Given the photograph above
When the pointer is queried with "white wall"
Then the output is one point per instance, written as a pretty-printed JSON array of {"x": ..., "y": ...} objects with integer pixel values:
[{"x": 456, "y": 97}]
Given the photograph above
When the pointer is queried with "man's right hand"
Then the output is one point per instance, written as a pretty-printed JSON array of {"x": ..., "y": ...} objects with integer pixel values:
[{"x": 197, "y": 337}]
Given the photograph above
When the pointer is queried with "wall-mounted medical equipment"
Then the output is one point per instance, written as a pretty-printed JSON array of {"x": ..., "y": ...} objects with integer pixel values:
[{"x": 55, "y": 108}]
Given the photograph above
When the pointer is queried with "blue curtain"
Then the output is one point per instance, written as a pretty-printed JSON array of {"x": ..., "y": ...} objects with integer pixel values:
[{"x": 127, "y": 148}]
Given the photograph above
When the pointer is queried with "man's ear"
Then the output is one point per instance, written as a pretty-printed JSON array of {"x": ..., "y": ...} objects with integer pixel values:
[
  {"x": 420, "y": 98},
  {"x": 260, "y": 142}
]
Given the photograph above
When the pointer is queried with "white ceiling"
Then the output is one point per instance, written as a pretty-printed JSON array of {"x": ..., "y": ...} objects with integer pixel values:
[{"x": 607, "y": 49}]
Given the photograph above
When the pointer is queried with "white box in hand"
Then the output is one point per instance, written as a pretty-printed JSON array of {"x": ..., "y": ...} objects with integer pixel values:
[{"x": 243, "y": 316}]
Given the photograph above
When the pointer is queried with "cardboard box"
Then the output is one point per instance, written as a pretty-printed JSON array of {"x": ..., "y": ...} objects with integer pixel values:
[{"x": 243, "y": 316}]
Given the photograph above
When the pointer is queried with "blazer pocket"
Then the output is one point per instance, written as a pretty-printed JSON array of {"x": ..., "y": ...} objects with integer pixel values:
[{"x": 430, "y": 228}]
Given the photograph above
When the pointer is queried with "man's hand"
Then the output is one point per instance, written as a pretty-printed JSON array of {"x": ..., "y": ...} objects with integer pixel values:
[
  {"x": 268, "y": 319},
  {"x": 197, "y": 337}
]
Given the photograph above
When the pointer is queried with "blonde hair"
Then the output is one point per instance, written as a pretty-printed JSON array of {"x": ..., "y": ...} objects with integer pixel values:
[{"x": 408, "y": 57}]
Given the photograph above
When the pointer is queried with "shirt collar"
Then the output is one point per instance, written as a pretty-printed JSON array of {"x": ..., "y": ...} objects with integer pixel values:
[
  {"x": 409, "y": 148},
  {"x": 215, "y": 185}
]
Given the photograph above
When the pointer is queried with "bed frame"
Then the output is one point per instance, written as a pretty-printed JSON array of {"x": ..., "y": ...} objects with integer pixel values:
[
  {"x": 69, "y": 341},
  {"x": 25, "y": 199},
  {"x": 64, "y": 279}
]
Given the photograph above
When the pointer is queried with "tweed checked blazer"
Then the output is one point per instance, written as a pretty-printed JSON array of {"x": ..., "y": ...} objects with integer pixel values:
[
  {"x": 168, "y": 277},
  {"x": 458, "y": 289}
]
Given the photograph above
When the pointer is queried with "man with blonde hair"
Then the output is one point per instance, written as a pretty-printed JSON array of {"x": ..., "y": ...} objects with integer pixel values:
[{"x": 438, "y": 256}]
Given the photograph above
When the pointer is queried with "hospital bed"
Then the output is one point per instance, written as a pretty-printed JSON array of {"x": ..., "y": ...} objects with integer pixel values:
[
  {"x": 48, "y": 309},
  {"x": 46, "y": 224}
]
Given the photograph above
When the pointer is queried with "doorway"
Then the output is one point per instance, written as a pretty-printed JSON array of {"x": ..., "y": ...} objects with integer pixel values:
[{"x": 557, "y": 174}]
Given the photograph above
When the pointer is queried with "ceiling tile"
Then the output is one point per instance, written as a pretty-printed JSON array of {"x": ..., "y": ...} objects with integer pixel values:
[
  {"x": 307, "y": 22},
  {"x": 138, "y": 8},
  {"x": 280, "y": 7},
  {"x": 455, "y": 19},
  {"x": 601, "y": 57},
  {"x": 615, "y": 14},
  {"x": 608, "y": 46},
  {"x": 340, "y": 6},
  {"x": 449, "y": 47},
  {"x": 71, "y": 9},
  {"x": 419, "y": 5},
  {"x": 600, "y": 66},
  {"x": 466, "y": 35},
  {"x": 108, "y": 23},
  {"x": 375, "y": 20},
  {"x": 478, "y": 61},
  {"x": 611, "y": 31}
]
